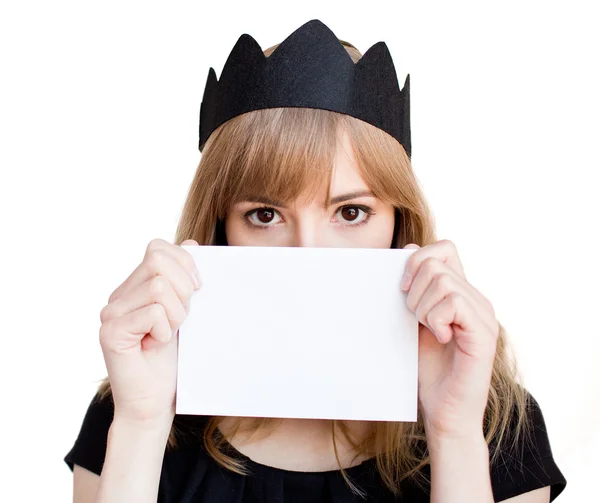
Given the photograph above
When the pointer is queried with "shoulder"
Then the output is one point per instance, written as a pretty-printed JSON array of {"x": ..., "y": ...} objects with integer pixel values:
[
  {"x": 89, "y": 448},
  {"x": 524, "y": 462}
]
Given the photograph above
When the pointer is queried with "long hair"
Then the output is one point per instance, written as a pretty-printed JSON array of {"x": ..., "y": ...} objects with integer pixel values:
[{"x": 280, "y": 153}]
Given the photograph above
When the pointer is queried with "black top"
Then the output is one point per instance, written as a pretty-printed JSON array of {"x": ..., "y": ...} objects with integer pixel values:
[{"x": 190, "y": 475}]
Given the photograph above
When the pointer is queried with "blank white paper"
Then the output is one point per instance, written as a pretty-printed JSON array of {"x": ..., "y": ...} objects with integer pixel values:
[{"x": 299, "y": 332}]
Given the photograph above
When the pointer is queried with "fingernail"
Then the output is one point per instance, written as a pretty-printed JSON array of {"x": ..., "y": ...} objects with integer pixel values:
[
  {"x": 196, "y": 279},
  {"x": 405, "y": 281}
]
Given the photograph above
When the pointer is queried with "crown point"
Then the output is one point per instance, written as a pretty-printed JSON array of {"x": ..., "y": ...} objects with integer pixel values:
[
  {"x": 377, "y": 54},
  {"x": 245, "y": 56},
  {"x": 378, "y": 61},
  {"x": 310, "y": 68}
]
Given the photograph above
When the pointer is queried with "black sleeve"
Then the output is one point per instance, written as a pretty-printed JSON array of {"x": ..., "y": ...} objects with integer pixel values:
[
  {"x": 89, "y": 448},
  {"x": 531, "y": 465}
]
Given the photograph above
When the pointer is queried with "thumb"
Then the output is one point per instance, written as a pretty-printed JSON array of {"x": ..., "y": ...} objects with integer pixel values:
[
  {"x": 190, "y": 242},
  {"x": 411, "y": 246}
]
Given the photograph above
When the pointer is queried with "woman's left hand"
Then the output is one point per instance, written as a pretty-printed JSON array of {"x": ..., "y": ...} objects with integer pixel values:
[{"x": 458, "y": 331}]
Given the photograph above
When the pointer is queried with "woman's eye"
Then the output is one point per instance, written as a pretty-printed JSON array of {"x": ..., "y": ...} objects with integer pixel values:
[
  {"x": 262, "y": 217},
  {"x": 354, "y": 215},
  {"x": 350, "y": 213}
]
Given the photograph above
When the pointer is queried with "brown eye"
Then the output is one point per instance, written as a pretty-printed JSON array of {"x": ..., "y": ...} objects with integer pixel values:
[
  {"x": 265, "y": 216},
  {"x": 354, "y": 215},
  {"x": 350, "y": 213}
]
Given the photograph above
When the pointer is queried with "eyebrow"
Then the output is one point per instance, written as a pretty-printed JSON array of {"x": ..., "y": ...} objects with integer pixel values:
[
  {"x": 351, "y": 195},
  {"x": 334, "y": 200}
]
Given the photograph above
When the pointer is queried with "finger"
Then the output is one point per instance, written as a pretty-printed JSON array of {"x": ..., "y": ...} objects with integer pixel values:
[
  {"x": 153, "y": 263},
  {"x": 434, "y": 281},
  {"x": 159, "y": 262},
  {"x": 441, "y": 287},
  {"x": 149, "y": 342},
  {"x": 126, "y": 332},
  {"x": 183, "y": 257},
  {"x": 157, "y": 289},
  {"x": 196, "y": 273},
  {"x": 454, "y": 317},
  {"x": 189, "y": 242},
  {"x": 444, "y": 250}
]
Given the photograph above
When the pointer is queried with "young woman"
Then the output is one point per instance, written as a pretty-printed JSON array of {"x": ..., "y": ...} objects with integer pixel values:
[{"x": 301, "y": 176}]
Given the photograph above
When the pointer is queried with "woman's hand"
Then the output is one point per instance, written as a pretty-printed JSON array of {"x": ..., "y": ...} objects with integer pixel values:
[
  {"x": 458, "y": 331},
  {"x": 138, "y": 330}
]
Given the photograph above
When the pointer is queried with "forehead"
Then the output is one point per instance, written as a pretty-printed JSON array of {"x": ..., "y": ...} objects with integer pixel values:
[
  {"x": 345, "y": 175},
  {"x": 313, "y": 160}
]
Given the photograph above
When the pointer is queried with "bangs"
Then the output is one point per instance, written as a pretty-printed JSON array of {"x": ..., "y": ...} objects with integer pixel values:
[{"x": 276, "y": 154}]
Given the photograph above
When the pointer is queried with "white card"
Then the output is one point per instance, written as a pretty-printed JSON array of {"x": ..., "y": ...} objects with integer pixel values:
[{"x": 299, "y": 332}]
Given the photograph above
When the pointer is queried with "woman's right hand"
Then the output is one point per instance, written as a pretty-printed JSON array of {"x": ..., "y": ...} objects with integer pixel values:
[{"x": 138, "y": 332}]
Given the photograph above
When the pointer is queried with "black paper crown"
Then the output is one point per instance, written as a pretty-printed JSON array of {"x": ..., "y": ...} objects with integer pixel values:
[{"x": 311, "y": 69}]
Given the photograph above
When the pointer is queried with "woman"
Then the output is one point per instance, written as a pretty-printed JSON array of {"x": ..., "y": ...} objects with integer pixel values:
[{"x": 310, "y": 176}]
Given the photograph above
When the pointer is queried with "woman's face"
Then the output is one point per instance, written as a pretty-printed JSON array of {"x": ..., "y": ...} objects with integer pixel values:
[{"x": 353, "y": 218}]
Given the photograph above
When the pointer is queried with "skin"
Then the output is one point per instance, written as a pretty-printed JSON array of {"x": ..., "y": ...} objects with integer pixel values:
[
  {"x": 306, "y": 223},
  {"x": 455, "y": 366}
]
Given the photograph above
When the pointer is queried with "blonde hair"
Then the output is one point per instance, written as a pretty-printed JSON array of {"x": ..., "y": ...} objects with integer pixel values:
[{"x": 279, "y": 153}]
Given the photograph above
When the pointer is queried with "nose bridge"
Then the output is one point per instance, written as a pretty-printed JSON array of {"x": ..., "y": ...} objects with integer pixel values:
[{"x": 307, "y": 231}]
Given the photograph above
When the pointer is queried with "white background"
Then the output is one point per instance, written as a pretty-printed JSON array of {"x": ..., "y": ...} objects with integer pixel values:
[{"x": 99, "y": 111}]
